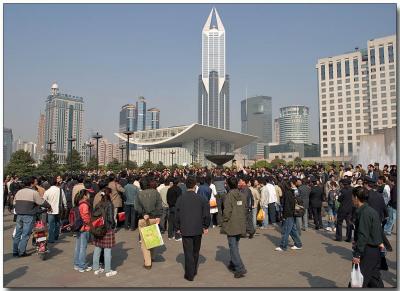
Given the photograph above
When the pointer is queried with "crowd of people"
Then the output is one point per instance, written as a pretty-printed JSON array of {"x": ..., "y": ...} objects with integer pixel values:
[{"x": 185, "y": 203}]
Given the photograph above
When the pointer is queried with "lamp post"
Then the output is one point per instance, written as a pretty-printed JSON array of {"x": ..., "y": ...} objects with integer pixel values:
[
  {"x": 128, "y": 133},
  {"x": 172, "y": 156},
  {"x": 90, "y": 145},
  {"x": 122, "y": 147},
  {"x": 70, "y": 140},
  {"x": 149, "y": 151},
  {"x": 84, "y": 147},
  {"x": 97, "y": 136},
  {"x": 193, "y": 155},
  {"x": 50, "y": 143}
]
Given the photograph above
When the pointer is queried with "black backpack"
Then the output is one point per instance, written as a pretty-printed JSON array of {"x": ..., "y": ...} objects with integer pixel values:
[
  {"x": 98, "y": 222},
  {"x": 75, "y": 219}
]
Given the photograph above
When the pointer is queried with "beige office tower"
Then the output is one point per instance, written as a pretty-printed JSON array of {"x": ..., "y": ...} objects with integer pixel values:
[{"x": 357, "y": 95}]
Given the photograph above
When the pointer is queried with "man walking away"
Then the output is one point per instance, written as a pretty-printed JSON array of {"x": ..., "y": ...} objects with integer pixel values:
[
  {"x": 367, "y": 240},
  {"x": 173, "y": 194},
  {"x": 219, "y": 182},
  {"x": 316, "y": 197},
  {"x": 250, "y": 229},
  {"x": 234, "y": 225},
  {"x": 163, "y": 193},
  {"x": 304, "y": 192},
  {"x": 392, "y": 206},
  {"x": 345, "y": 210},
  {"x": 131, "y": 192},
  {"x": 192, "y": 219}
]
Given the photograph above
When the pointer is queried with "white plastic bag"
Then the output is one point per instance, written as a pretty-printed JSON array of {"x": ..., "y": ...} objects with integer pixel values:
[{"x": 357, "y": 278}]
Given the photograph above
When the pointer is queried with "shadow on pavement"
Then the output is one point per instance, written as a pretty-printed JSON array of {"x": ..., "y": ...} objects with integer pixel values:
[
  {"x": 53, "y": 252},
  {"x": 274, "y": 239},
  {"x": 14, "y": 275},
  {"x": 317, "y": 281},
  {"x": 222, "y": 255},
  {"x": 181, "y": 259},
  {"x": 390, "y": 275},
  {"x": 158, "y": 254},
  {"x": 119, "y": 254},
  {"x": 342, "y": 251},
  {"x": 7, "y": 257}
]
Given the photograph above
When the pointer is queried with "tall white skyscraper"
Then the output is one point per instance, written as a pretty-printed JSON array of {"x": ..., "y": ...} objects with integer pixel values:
[
  {"x": 357, "y": 95},
  {"x": 213, "y": 101},
  {"x": 64, "y": 119}
]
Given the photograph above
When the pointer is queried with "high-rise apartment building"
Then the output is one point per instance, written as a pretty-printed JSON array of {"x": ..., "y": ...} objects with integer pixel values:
[
  {"x": 153, "y": 118},
  {"x": 7, "y": 145},
  {"x": 213, "y": 100},
  {"x": 64, "y": 119},
  {"x": 41, "y": 143},
  {"x": 357, "y": 95},
  {"x": 256, "y": 116},
  {"x": 294, "y": 124},
  {"x": 276, "y": 138},
  {"x": 128, "y": 121}
]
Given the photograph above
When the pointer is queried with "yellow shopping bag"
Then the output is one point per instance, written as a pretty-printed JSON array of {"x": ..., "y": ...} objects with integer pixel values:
[{"x": 260, "y": 215}]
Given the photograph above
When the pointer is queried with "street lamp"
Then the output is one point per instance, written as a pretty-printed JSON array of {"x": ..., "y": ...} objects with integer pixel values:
[
  {"x": 70, "y": 140},
  {"x": 97, "y": 136},
  {"x": 128, "y": 133},
  {"x": 122, "y": 147},
  {"x": 90, "y": 145},
  {"x": 172, "y": 155},
  {"x": 149, "y": 150},
  {"x": 50, "y": 143}
]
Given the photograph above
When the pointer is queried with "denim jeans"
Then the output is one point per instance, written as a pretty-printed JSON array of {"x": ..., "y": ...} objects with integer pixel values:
[
  {"x": 265, "y": 221},
  {"x": 22, "y": 233},
  {"x": 305, "y": 219},
  {"x": 54, "y": 227},
  {"x": 332, "y": 214},
  {"x": 289, "y": 228},
  {"x": 107, "y": 259},
  {"x": 272, "y": 212},
  {"x": 164, "y": 219},
  {"x": 254, "y": 214},
  {"x": 298, "y": 224},
  {"x": 130, "y": 216},
  {"x": 236, "y": 261},
  {"x": 391, "y": 220},
  {"x": 82, "y": 239}
]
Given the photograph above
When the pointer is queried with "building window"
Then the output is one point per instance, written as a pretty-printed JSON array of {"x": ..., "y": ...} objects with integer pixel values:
[
  {"x": 339, "y": 69},
  {"x": 347, "y": 68},
  {"x": 355, "y": 67},
  {"x": 372, "y": 53},
  {"x": 390, "y": 53},
  {"x": 322, "y": 72},
  {"x": 350, "y": 148},
  {"x": 330, "y": 71},
  {"x": 333, "y": 149},
  {"x": 381, "y": 55}
]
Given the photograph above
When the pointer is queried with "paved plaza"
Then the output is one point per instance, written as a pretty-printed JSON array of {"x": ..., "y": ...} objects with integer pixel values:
[{"x": 322, "y": 262}]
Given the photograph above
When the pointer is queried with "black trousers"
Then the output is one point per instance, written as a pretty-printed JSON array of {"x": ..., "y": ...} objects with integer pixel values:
[
  {"x": 220, "y": 198},
  {"x": 317, "y": 217},
  {"x": 130, "y": 216},
  {"x": 191, "y": 249},
  {"x": 171, "y": 224},
  {"x": 339, "y": 225},
  {"x": 370, "y": 264}
]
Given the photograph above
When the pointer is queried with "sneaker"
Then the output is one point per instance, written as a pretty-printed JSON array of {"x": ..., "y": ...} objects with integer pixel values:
[
  {"x": 279, "y": 249},
  {"x": 238, "y": 275},
  {"x": 87, "y": 269},
  {"x": 76, "y": 268},
  {"x": 295, "y": 248},
  {"x": 328, "y": 228},
  {"x": 179, "y": 239},
  {"x": 170, "y": 238},
  {"x": 111, "y": 273},
  {"x": 99, "y": 271}
]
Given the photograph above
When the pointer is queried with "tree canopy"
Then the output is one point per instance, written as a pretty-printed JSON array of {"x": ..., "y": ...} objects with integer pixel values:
[{"x": 20, "y": 164}]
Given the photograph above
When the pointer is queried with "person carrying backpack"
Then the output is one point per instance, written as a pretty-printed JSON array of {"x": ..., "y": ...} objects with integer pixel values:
[
  {"x": 81, "y": 225},
  {"x": 106, "y": 242}
]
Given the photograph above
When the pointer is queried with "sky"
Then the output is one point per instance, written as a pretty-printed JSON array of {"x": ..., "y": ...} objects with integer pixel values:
[{"x": 112, "y": 53}]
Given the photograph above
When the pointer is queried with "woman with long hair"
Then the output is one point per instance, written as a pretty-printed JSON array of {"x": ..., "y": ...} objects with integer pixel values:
[{"x": 107, "y": 242}]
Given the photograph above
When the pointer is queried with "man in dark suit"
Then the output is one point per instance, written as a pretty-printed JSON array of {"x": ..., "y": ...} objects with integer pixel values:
[
  {"x": 192, "y": 218},
  {"x": 316, "y": 197},
  {"x": 345, "y": 210}
]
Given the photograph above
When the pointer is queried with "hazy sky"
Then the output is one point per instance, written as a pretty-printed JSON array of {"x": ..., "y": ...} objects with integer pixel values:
[{"x": 111, "y": 53}]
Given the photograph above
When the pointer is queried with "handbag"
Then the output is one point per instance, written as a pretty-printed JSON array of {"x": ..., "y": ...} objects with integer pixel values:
[
  {"x": 260, "y": 215},
  {"x": 357, "y": 278},
  {"x": 121, "y": 216},
  {"x": 213, "y": 203}
]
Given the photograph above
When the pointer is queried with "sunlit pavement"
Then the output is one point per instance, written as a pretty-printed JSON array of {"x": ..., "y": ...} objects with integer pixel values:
[{"x": 322, "y": 262}]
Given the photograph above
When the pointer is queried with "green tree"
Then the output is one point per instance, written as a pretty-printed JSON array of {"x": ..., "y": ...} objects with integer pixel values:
[
  {"x": 114, "y": 166},
  {"x": 92, "y": 164},
  {"x": 148, "y": 165},
  {"x": 132, "y": 165},
  {"x": 262, "y": 164},
  {"x": 20, "y": 164},
  {"x": 297, "y": 161},
  {"x": 306, "y": 163},
  {"x": 49, "y": 165},
  {"x": 160, "y": 166},
  {"x": 276, "y": 162},
  {"x": 76, "y": 164}
]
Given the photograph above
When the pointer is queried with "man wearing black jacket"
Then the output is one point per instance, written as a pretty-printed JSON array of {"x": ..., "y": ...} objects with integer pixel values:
[
  {"x": 173, "y": 194},
  {"x": 192, "y": 219},
  {"x": 345, "y": 210},
  {"x": 316, "y": 197}
]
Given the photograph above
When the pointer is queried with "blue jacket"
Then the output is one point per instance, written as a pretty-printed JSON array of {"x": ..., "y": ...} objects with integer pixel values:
[
  {"x": 131, "y": 192},
  {"x": 205, "y": 191}
]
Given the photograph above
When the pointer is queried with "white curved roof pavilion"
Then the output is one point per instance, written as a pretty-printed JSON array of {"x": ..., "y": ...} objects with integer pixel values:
[{"x": 172, "y": 136}]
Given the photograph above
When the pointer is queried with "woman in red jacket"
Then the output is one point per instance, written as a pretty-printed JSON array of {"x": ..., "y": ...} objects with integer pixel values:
[{"x": 82, "y": 237}]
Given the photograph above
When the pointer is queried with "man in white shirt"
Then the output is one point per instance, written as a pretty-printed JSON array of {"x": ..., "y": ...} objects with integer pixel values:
[
  {"x": 272, "y": 199},
  {"x": 264, "y": 202},
  {"x": 382, "y": 186},
  {"x": 52, "y": 196}
]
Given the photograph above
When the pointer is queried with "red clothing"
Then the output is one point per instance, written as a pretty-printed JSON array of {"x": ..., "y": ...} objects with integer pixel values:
[{"x": 84, "y": 211}]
